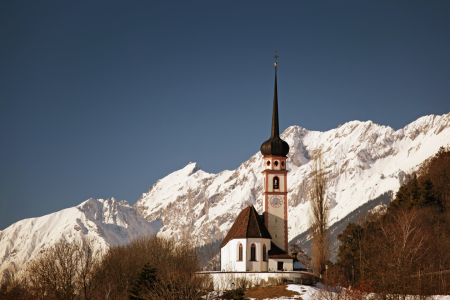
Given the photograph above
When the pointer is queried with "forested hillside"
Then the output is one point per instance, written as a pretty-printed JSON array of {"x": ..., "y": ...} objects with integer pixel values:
[{"x": 405, "y": 250}]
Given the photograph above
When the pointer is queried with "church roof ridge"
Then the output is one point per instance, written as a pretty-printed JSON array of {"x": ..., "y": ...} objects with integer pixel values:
[
  {"x": 258, "y": 223},
  {"x": 248, "y": 224}
]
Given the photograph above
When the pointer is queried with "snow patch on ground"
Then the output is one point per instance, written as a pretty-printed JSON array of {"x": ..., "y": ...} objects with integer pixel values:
[{"x": 307, "y": 292}]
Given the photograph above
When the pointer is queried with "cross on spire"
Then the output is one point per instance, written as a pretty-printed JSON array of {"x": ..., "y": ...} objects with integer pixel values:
[{"x": 276, "y": 64}]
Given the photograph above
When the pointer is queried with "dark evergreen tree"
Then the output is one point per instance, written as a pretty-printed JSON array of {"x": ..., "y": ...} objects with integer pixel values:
[
  {"x": 427, "y": 197},
  {"x": 350, "y": 251},
  {"x": 413, "y": 192},
  {"x": 145, "y": 282},
  {"x": 443, "y": 152}
]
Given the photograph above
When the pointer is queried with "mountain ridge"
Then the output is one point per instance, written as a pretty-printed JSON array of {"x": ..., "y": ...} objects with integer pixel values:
[
  {"x": 363, "y": 153},
  {"x": 108, "y": 221},
  {"x": 364, "y": 160}
]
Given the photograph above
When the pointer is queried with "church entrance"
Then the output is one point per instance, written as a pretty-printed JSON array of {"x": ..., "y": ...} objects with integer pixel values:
[{"x": 280, "y": 266}]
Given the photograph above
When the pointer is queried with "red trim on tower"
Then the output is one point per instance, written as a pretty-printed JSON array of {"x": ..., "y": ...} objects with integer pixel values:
[
  {"x": 285, "y": 223},
  {"x": 266, "y": 180},
  {"x": 285, "y": 236},
  {"x": 274, "y": 193},
  {"x": 285, "y": 183},
  {"x": 266, "y": 215},
  {"x": 275, "y": 171},
  {"x": 266, "y": 193}
]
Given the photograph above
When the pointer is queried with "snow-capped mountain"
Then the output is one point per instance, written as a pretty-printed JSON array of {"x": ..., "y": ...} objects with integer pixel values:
[
  {"x": 107, "y": 221},
  {"x": 363, "y": 160}
]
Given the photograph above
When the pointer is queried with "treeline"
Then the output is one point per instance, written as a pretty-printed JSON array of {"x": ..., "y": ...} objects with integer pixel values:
[
  {"x": 147, "y": 268},
  {"x": 405, "y": 249}
]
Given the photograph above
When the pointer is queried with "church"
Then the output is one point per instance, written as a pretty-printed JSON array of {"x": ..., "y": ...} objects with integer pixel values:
[{"x": 259, "y": 243}]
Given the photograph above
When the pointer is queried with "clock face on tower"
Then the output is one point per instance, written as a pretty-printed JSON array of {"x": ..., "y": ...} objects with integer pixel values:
[{"x": 275, "y": 202}]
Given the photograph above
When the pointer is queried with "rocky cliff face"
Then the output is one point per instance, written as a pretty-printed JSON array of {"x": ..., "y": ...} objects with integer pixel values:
[{"x": 363, "y": 160}]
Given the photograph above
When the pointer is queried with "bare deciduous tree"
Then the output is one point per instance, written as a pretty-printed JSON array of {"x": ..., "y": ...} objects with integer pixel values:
[
  {"x": 175, "y": 263},
  {"x": 402, "y": 252},
  {"x": 302, "y": 257},
  {"x": 89, "y": 260},
  {"x": 176, "y": 266},
  {"x": 13, "y": 284},
  {"x": 65, "y": 271},
  {"x": 319, "y": 211}
]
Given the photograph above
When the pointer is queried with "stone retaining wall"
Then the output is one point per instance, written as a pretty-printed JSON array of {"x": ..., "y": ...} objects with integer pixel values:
[{"x": 232, "y": 280}]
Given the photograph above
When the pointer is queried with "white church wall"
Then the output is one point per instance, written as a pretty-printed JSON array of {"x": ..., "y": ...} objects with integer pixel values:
[
  {"x": 258, "y": 265},
  {"x": 288, "y": 264},
  {"x": 240, "y": 265},
  {"x": 230, "y": 254},
  {"x": 226, "y": 264}
]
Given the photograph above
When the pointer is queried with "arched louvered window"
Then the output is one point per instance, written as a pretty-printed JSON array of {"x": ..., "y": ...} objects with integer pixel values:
[
  {"x": 276, "y": 183},
  {"x": 240, "y": 252},
  {"x": 264, "y": 253},
  {"x": 253, "y": 252}
]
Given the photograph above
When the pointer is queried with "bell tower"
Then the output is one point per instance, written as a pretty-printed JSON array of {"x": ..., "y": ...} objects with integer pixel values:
[{"x": 274, "y": 151}]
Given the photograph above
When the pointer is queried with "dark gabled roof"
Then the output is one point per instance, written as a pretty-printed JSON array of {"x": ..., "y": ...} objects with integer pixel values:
[
  {"x": 248, "y": 224},
  {"x": 298, "y": 266},
  {"x": 277, "y": 252}
]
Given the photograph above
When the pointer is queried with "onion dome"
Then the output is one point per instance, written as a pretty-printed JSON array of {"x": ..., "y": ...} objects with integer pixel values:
[{"x": 275, "y": 146}]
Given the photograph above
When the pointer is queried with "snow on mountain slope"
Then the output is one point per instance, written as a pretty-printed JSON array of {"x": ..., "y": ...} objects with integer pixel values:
[
  {"x": 108, "y": 221},
  {"x": 363, "y": 161}
]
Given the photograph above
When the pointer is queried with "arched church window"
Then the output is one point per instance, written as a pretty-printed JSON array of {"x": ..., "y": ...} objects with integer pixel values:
[
  {"x": 276, "y": 163},
  {"x": 264, "y": 253},
  {"x": 240, "y": 252},
  {"x": 268, "y": 163},
  {"x": 282, "y": 164},
  {"x": 253, "y": 252},
  {"x": 276, "y": 183}
]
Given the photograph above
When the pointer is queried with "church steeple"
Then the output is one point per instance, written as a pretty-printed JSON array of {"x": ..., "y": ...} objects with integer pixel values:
[
  {"x": 275, "y": 191},
  {"x": 275, "y": 146},
  {"x": 260, "y": 243},
  {"x": 275, "y": 129}
]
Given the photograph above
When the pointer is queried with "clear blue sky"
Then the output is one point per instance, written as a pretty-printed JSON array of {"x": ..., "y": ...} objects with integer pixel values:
[{"x": 102, "y": 98}]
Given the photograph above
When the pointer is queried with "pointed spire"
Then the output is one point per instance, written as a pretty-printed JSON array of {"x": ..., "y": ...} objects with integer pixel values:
[
  {"x": 275, "y": 146},
  {"x": 275, "y": 125}
]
